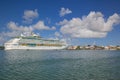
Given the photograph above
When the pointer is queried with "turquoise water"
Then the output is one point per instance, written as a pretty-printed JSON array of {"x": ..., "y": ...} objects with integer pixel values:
[{"x": 60, "y": 65}]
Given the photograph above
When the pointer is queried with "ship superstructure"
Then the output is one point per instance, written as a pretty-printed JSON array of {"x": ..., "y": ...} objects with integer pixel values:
[{"x": 33, "y": 42}]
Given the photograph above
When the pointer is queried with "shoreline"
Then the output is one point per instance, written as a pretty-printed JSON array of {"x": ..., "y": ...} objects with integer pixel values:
[{"x": 88, "y": 47}]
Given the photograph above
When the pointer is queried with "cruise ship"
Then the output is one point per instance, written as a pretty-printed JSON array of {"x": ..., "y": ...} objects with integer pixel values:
[{"x": 34, "y": 42}]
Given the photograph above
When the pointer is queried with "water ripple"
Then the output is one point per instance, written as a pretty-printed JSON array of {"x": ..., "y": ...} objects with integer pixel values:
[{"x": 59, "y": 65}]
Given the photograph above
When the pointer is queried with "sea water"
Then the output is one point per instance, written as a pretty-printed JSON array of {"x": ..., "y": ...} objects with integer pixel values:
[{"x": 59, "y": 65}]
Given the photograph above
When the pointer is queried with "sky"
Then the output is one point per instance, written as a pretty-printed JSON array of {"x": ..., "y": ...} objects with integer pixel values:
[{"x": 79, "y": 22}]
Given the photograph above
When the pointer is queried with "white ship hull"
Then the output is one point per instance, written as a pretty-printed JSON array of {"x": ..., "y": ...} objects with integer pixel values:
[{"x": 33, "y": 48}]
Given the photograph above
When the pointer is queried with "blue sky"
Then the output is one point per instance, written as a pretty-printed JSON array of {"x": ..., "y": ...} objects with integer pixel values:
[{"x": 81, "y": 22}]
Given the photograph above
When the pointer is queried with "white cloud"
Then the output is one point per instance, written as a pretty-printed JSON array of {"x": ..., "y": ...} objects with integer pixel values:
[
  {"x": 29, "y": 15},
  {"x": 15, "y": 27},
  {"x": 41, "y": 26},
  {"x": 91, "y": 26},
  {"x": 64, "y": 12},
  {"x": 38, "y": 26},
  {"x": 53, "y": 28},
  {"x": 11, "y": 33},
  {"x": 62, "y": 22},
  {"x": 57, "y": 34}
]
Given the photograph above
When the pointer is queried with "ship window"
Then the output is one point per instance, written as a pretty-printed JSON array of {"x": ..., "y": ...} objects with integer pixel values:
[{"x": 32, "y": 44}]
